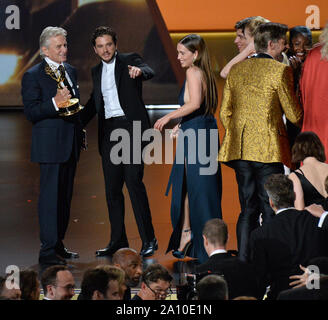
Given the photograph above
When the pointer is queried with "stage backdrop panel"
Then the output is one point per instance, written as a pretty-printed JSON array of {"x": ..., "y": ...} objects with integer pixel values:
[{"x": 138, "y": 23}]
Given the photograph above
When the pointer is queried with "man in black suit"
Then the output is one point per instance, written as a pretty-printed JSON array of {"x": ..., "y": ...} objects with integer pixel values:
[
  {"x": 239, "y": 275},
  {"x": 56, "y": 141},
  {"x": 290, "y": 239},
  {"x": 117, "y": 98}
]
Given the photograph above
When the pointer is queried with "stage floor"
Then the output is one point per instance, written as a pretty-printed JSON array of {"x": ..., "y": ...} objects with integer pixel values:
[{"x": 89, "y": 227}]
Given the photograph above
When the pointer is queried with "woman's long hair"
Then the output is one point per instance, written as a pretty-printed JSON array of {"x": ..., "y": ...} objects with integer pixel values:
[{"x": 195, "y": 42}]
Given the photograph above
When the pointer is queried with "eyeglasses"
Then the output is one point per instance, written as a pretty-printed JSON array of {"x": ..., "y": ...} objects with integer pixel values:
[
  {"x": 69, "y": 287},
  {"x": 161, "y": 294}
]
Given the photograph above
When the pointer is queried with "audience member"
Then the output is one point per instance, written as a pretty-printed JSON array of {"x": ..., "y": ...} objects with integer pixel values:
[
  {"x": 309, "y": 274},
  {"x": 102, "y": 283},
  {"x": 244, "y": 298},
  {"x": 309, "y": 179},
  {"x": 129, "y": 260},
  {"x": 155, "y": 285},
  {"x": 29, "y": 285},
  {"x": 58, "y": 283},
  {"x": 8, "y": 293},
  {"x": 240, "y": 276},
  {"x": 291, "y": 238},
  {"x": 303, "y": 293},
  {"x": 212, "y": 287},
  {"x": 245, "y": 30},
  {"x": 119, "y": 272}
]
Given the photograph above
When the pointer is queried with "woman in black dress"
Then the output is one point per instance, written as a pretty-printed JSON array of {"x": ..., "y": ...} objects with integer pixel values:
[{"x": 309, "y": 179}]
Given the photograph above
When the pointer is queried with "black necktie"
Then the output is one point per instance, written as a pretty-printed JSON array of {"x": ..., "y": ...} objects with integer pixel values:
[{"x": 62, "y": 75}]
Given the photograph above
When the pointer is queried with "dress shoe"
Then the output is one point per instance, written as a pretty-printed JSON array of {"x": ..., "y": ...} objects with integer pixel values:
[
  {"x": 149, "y": 248},
  {"x": 66, "y": 254},
  {"x": 52, "y": 260},
  {"x": 111, "y": 249}
]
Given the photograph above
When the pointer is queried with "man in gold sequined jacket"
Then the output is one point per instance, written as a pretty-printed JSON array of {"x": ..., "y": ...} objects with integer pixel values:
[{"x": 257, "y": 93}]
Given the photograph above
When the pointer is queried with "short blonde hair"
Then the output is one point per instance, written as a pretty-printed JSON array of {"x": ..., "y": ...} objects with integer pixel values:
[{"x": 254, "y": 23}]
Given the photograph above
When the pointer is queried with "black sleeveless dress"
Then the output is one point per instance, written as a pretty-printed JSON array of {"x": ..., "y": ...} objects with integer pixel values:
[
  {"x": 311, "y": 194},
  {"x": 204, "y": 190}
]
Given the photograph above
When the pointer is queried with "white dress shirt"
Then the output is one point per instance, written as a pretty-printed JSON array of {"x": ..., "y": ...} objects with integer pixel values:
[
  {"x": 217, "y": 251},
  {"x": 54, "y": 66},
  {"x": 109, "y": 90}
]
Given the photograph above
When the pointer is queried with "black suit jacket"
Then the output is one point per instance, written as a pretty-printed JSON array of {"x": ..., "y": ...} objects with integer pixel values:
[
  {"x": 280, "y": 246},
  {"x": 52, "y": 135},
  {"x": 129, "y": 92},
  {"x": 325, "y": 223},
  {"x": 240, "y": 276}
]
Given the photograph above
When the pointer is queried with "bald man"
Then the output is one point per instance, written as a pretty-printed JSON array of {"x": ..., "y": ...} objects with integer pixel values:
[{"x": 130, "y": 261}]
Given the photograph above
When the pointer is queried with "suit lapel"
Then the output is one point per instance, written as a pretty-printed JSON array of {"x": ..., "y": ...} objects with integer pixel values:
[
  {"x": 97, "y": 88},
  {"x": 119, "y": 66},
  {"x": 69, "y": 70},
  {"x": 44, "y": 77}
]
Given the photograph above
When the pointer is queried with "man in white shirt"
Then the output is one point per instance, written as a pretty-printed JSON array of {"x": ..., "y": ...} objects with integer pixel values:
[
  {"x": 56, "y": 141},
  {"x": 117, "y": 99}
]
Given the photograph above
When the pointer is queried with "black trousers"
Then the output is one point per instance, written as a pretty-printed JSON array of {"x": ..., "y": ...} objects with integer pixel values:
[
  {"x": 56, "y": 190},
  {"x": 251, "y": 176},
  {"x": 115, "y": 175}
]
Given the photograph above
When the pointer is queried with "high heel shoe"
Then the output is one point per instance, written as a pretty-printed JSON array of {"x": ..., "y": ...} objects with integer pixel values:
[{"x": 181, "y": 254}]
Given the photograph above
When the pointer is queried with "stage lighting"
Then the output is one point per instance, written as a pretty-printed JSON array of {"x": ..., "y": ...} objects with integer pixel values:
[{"x": 8, "y": 64}]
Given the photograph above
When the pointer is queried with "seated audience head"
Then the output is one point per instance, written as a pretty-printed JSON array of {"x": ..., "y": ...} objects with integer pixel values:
[
  {"x": 215, "y": 235},
  {"x": 8, "y": 292},
  {"x": 118, "y": 273},
  {"x": 308, "y": 144},
  {"x": 156, "y": 283},
  {"x": 270, "y": 38},
  {"x": 130, "y": 261},
  {"x": 212, "y": 287},
  {"x": 29, "y": 285},
  {"x": 102, "y": 283},
  {"x": 58, "y": 283},
  {"x": 245, "y": 30},
  {"x": 300, "y": 41},
  {"x": 280, "y": 191},
  {"x": 244, "y": 298}
]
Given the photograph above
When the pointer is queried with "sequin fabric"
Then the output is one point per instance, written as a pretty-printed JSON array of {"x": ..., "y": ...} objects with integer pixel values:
[{"x": 256, "y": 95}]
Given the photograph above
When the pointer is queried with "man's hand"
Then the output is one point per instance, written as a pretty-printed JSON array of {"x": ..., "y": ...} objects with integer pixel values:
[
  {"x": 315, "y": 209},
  {"x": 300, "y": 280},
  {"x": 134, "y": 72},
  {"x": 303, "y": 279},
  {"x": 62, "y": 96}
]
